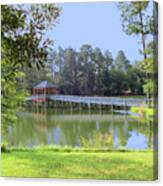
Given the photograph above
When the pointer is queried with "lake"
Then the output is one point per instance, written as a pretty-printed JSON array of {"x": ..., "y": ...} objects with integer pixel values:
[{"x": 80, "y": 129}]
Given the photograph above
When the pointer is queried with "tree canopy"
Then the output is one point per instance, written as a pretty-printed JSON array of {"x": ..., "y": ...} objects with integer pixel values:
[
  {"x": 136, "y": 20},
  {"x": 89, "y": 71},
  {"x": 24, "y": 45}
]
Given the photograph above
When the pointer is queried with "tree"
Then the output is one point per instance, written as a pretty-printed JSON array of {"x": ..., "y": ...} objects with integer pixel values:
[
  {"x": 24, "y": 45},
  {"x": 58, "y": 63},
  {"x": 99, "y": 64},
  {"x": 108, "y": 58},
  {"x": 35, "y": 75},
  {"x": 121, "y": 62},
  {"x": 69, "y": 75},
  {"x": 136, "y": 20},
  {"x": 87, "y": 78},
  {"x": 118, "y": 82},
  {"x": 135, "y": 79},
  {"x": 148, "y": 66}
]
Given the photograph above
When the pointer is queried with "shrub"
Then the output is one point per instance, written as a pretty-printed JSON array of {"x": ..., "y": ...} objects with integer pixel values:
[{"x": 4, "y": 147}]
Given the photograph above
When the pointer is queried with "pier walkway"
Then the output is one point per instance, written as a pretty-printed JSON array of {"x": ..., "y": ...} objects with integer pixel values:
[{"x": 90, "y": 100}]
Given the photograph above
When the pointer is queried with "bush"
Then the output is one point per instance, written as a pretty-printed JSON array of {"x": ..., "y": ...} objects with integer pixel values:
[
  {"x": 4, "y": 147},
  {"x": 143, "y": 111}
]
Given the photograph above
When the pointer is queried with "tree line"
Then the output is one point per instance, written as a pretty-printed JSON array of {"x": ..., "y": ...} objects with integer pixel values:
[{"x": 90, "y": 71}]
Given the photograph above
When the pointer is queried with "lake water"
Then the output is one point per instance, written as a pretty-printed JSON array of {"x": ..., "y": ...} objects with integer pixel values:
[{"x": 76, "y": 129}]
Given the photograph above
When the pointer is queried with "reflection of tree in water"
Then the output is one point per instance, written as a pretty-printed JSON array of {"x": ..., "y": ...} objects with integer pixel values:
[
  {"x": 72, "y": 130},
  {"x": 30, "y": 130},
  {"x": 146, "y": 128},
  {"x": 41, "y": 126},
  {"x": 99, "y": 140},
  {"x": 37, "y": 129},
  {"x": 124, "y": 133},
  {"x": 118, "y": 127},
  {"x": 147, "y": 131}
]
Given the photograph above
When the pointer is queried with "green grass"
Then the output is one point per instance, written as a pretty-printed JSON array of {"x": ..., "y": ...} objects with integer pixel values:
[
  {"x": 142, "y": 110},
  {"x": 97, "y": 165}
]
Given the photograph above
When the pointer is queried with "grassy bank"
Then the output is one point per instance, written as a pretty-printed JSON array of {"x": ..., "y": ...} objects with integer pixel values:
[
  {"x": 143, "y": 111},
  {"x": 97, "y": 165},
  {"x": 145, "y": 115}
]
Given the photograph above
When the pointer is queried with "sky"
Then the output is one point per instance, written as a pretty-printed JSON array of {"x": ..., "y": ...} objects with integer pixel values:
[{"x": 97, "y": 24}]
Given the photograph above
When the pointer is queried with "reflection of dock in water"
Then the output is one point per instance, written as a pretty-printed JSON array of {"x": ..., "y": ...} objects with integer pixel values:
[{"x": 92, "y": 117}]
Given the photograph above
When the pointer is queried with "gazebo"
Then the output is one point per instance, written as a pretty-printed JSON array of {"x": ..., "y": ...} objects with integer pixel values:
[{"x": 41, "y": 91}]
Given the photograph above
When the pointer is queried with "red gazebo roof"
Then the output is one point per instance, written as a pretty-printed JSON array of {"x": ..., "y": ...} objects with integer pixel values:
[{"x": 45, "y": 84}]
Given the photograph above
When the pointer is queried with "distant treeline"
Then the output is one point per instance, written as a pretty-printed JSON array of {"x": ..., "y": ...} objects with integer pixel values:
[{"x": 90, "y": 71}]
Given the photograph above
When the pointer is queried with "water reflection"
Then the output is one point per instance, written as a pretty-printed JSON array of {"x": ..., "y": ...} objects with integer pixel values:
[{"x": 96, "y": 130}]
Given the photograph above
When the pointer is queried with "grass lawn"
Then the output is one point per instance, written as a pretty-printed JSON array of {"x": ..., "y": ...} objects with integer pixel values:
[{"x": 97, "y": 165}]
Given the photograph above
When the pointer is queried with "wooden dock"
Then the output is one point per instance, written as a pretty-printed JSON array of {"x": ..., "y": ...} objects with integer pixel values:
[{"x": 90, "y": 100}]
